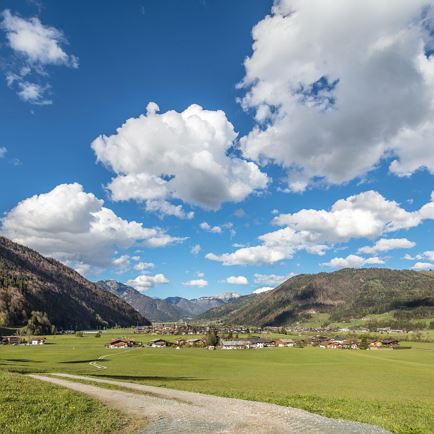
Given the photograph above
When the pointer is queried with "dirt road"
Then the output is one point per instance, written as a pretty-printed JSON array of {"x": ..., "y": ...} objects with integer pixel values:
[{"x": 175, "y": 411}]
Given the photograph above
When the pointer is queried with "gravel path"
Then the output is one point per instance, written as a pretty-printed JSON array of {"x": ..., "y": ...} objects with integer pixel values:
[{"x": 180, "y": 412}]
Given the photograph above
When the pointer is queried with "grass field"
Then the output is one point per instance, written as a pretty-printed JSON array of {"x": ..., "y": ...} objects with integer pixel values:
[
  {"x": 393, "y": 389},
  {"x": 30, "y": 406}
]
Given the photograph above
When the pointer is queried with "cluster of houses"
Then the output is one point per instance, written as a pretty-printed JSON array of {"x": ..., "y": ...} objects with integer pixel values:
[
  {"x": 181, "y": 342},
  {"x": 226, "y": 344},
  {"x": 383, "y": 343},
  {"x": 256, "y": 342},
  {"x": 122, "y": 343},
  {"x": 341, "y": 343},
  {"x": 20, "y": 340}
]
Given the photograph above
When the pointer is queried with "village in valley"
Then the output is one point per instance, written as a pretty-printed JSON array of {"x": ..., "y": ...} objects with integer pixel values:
[
  {"x": 180, "y": 336},
  {"x": 237, "y": 343},
  {"x": 184, "y": 335},
  {"x": 256, "y": 342}
]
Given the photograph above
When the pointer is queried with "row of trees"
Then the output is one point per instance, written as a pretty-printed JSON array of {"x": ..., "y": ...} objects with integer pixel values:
[{"x": 397, "y": 324}]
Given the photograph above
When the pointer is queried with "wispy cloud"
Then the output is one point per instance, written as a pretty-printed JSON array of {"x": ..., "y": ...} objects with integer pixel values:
[{"x": 34, "y": 46}]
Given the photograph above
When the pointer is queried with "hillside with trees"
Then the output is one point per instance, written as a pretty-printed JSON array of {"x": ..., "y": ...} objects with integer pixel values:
[
  {"x": 32, "y": 286},
  {"x": 344, "y": 294}
]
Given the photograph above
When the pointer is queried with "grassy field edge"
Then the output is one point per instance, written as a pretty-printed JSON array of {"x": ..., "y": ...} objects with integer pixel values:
[{"x": 30, "y": 406}]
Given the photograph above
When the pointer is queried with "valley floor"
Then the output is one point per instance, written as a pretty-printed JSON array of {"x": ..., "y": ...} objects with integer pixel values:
[
  {"x": 393, "y": 389},
  {"x": 180, "y": 412}
]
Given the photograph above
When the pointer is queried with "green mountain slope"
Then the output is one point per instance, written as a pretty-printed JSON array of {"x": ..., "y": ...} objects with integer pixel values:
[
  {"x": 345, "y": 294},
  {"x": 30, "y": 282}
]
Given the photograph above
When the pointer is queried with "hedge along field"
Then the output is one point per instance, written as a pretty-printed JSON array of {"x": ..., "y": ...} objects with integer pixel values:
[{"x": 393, "y": 389}]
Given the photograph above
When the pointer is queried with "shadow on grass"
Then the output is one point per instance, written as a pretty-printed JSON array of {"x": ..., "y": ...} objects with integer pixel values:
[
  {"x": 147, "y": 377},
  {"x": 24, "y": 370},
  {"x": 81, "y": 361},
  {"x": 23, "y": 360}
]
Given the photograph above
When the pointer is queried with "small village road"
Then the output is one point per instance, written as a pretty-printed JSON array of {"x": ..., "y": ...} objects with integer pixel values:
[{"x": 180, "y": 412}]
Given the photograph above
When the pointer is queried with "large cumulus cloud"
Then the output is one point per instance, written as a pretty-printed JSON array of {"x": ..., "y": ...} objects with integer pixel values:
[
  {"x": 339, "y": 85},
  {"x": 183, "y": 156},
  {"x": 73, "y": 226}
]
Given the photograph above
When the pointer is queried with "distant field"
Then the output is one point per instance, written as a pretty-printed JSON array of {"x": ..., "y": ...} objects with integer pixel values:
[{"x": 394, "y": 389}]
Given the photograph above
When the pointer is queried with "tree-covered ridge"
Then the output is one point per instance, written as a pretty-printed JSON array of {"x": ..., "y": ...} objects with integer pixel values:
[
  {"x": 30, "y": 282},
  {"x": 345, "y": 294}
]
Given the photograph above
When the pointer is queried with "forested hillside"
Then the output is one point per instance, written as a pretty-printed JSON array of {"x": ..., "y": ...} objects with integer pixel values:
[
  {"x": 345, "y": 294},
  {"x": 30, "y": 283}
]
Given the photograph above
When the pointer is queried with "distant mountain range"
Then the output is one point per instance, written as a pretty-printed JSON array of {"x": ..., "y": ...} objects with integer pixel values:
[
  {"x": 30, "y": 282},
  {"x": 345, "y": 294},
  {"x": 154, "y": 309},
  {"x": 169, "y": 309}
]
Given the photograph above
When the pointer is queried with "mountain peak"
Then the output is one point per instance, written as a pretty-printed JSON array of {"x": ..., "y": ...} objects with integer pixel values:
[{"x": 169, "y": 309}]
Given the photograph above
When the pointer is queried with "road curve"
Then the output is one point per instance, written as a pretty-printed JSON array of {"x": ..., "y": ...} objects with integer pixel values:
[{"x": 180, "y": 412}]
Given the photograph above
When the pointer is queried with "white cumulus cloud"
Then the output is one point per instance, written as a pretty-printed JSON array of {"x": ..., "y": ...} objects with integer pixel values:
[
  {"x": 147, "y": 281},
  {"x": 122, "y": 263},
  {"x": 337, "y": 85},
  {"x": 237, "y": 280},
  {"x": 141, "y": 266},
  {"x": 364, "y": 215},
  {"x": 262, "y": 289},
  {"x": 184, "y": 156},
  {"x": 386, "y": 244},
  {"x": 36, "y": 46},
  {"x": 423, "y": 266},
  {"x": 165, "y": 208},
  {"x": 195, "y": 250},
  {"x": 429, "y": 254},
  {"x": 33, "y": 93},
  {"x": 271, "y": 279},
  {"x": 213, "y": 229},
  {"x": 74, "y": 227},
  {"x": 353, "y": 261},
  {"x": 196, "y": 282}
]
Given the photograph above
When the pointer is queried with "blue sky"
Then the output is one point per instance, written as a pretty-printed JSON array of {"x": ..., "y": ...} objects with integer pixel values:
[{"x": 244, "y": 134}]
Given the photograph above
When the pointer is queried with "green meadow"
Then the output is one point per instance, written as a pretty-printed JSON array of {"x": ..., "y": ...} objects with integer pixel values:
[
  {"x": 389, "y": 388},
  {"x": 30, "y": 406}
]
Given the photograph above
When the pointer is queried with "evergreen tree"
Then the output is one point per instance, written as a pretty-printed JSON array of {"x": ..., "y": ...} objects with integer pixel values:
[
  {"x": 212, "y": 338},
  {"x": 38, "y": 324}
]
